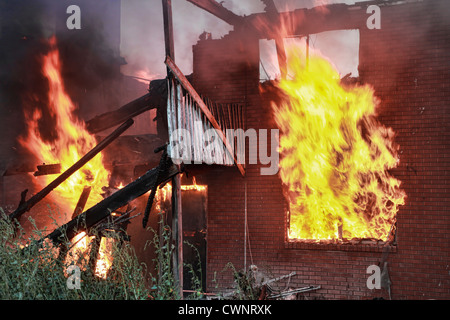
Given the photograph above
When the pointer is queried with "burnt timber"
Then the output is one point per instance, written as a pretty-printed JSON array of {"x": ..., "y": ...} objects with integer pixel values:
[
  {"x": 103, "y": 209},
  {"x": 153, "y": 99}
]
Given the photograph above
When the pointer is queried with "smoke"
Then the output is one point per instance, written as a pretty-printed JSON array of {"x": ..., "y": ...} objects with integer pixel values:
[
  {"x": 142, "y": 32},
  {"x": 142, "y": 35},
  {"x": 288, "y": 5},
  {"x": 90, "y": 62},
  {"x": 20, "y": 40}
]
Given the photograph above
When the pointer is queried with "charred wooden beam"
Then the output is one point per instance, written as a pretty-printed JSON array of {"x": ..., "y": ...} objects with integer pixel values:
[
  {"x": 19, "y": 168},
  {"x": 156, "y": 98},
  {"x": 151, "y": 197},
  {"x": 301, "y": 22},
  {"x": 176, "y": 186},
  {"x": 218, "y": 10},
  {"x": 46, "y": 169},
  {"x": 168, "y": 28},
  {"x": 103, "y": 209},
  {"x": 27, "y": 205},
  {"x": 274, "y": 17},
  {"x": 82, "y": 201},
  {"x": 113, "y": 118},
  {"x": 177, "y": 232}
]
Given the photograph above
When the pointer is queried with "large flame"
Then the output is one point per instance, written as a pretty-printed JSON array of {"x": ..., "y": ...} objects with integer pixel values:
[
  {"x": 335, "y": 156},
  {"x": 72, "y": 141}
]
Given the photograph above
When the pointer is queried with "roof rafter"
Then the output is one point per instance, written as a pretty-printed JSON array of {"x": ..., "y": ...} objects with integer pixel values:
[{"x": 218, "y": 10}]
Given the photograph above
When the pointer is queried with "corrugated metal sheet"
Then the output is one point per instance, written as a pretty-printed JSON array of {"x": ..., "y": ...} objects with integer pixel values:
[{"x": 203, "y": 143}]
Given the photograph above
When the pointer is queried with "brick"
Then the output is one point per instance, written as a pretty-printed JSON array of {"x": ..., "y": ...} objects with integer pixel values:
[{"x": 406, "y": 49}]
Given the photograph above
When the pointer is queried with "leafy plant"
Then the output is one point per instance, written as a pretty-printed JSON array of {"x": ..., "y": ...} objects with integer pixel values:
[
  {"x": 195, "y": 274},
  {"x": 30, "y": 271},
  {"x": 164, "y": 281}
]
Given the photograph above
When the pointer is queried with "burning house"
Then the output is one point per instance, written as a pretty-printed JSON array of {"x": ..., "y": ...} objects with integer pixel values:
[{"x": 310, "y": 176}]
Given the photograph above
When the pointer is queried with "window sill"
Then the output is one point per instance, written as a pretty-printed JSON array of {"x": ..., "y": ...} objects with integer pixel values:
[{"x": 358, "y": 246}]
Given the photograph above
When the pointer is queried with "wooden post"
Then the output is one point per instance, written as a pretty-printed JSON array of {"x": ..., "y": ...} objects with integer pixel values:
[
  {"x": 168, "y": 28},
  {"x": 177, "y": 221},
  {"x": 177, "y": 232}
]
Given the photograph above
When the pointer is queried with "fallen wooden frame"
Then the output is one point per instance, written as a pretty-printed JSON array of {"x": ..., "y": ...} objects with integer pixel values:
[
  {"x": 25, "y": 206},
  {"x": 102, "y": 210}
]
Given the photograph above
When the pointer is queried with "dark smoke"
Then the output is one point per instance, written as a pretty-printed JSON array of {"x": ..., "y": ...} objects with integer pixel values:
[
  {"x": 90, "y": 63},
  {"x": 21, "y": 42}
]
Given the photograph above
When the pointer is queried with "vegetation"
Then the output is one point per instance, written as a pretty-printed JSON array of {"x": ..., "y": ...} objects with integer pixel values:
[
  {"x": 37, "y": 272},
  {"x": 29, "y": 271}
]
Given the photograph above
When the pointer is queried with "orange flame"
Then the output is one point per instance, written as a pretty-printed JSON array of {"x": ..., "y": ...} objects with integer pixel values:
[
  {"x": 193, "y": 187},
  {"x": 104, "y": 261},
  {"x": 73, "y": 142},
  {"x": 335, "y": 156},
  {"x": 164, "y": 194}
]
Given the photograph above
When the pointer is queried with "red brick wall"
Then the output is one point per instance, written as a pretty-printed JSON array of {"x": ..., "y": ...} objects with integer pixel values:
[
  {"x": 407, "y": 62},
  {"x": 411, "y": 45}
]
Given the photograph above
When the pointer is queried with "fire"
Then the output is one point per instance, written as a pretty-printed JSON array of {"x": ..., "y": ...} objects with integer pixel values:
[
  {"x": 193, "y": 186},
  {"x": 334, "y": 156},
  {"x": 80, "y": 245},
  {"x": 165, "y": 193},
  {"x": 104, "y": 261},
  {"x": 72, "y": 142}
]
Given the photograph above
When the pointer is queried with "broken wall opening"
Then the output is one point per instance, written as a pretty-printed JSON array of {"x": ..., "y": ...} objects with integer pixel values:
[{"x": 341, "y": 47}]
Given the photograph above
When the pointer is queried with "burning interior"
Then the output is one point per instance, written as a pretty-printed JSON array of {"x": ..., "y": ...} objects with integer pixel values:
[
  {"x": 342, "y": 191},
  {"x": 329, "y": 133}
]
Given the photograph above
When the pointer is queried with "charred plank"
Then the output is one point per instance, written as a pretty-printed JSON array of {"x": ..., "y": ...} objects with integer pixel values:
[
  {"x": 124, "y": 113},
  {"x": 46, "y": 169},
  {"x": 82, "y": 201}
]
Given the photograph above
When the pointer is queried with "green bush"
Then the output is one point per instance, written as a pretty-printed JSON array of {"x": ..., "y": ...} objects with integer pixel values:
[{"x": 29, "y": 271}]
